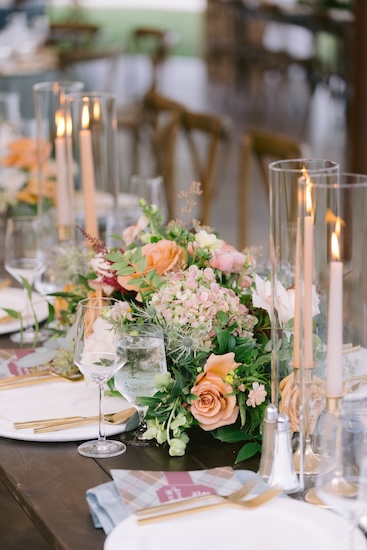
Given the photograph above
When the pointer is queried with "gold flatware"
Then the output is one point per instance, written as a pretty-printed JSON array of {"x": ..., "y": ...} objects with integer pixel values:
[
  {"x": 250, "y": 504},
  {"x": 5, "y": 283},
  {"x": 236, "y": 495},
  {"x": 353, "y": 383},
  {"x": 56, "y": 424},
  {"x": 30, "y": 379}
]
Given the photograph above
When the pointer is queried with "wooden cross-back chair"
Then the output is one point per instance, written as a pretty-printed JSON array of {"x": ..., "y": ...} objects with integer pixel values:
[
  {"x": 157, "y": 44},
  {"x": 204, "y": 156},
  {"x": 263, "y": 147},
  {"x": 79, "y": 42}
]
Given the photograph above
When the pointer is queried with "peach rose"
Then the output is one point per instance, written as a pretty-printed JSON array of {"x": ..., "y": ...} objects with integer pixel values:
[
  {"x": 23, "y": 152},
  {"x": 162, "y": 256},
  {"x": 290, "y": 401},
  {"x": 215, "y": 408}
]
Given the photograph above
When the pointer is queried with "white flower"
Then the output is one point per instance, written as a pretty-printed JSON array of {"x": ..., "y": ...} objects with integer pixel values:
[
  {"x": 207, "y": 240},
  {"x": 102, "y": 339},
  {"x": 261, "y": 297},
  {"x": 284, "y": 299}
]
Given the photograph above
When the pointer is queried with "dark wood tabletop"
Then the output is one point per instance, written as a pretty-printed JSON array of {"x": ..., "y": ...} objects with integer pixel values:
[{"x": 49, "y": 480}]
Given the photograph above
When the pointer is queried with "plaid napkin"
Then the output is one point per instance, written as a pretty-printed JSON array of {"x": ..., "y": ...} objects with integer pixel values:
[{"x": 131, "y": 490}]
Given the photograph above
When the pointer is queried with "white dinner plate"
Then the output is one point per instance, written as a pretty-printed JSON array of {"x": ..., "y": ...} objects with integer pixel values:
[
  {"x": 14, "y": 298},
  {"x": 54, "y": 400},
  {"x": 281, "y": 524}
]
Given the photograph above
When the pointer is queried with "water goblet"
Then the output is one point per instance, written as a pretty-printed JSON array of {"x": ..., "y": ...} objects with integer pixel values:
[
  {"x": 24, "y": 261},
  {"x": 341, "y": 483},
  {"x": 146, "y": 359},
  {"x": 99, "y": 352},
  {"x": 152, "y": 191}
]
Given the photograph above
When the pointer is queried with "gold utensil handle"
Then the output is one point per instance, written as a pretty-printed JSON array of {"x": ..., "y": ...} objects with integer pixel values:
[
  {"x": 243, "y": 491},
  {"x": 259, "y": 500},
  {"x": 24, "y": 383}
]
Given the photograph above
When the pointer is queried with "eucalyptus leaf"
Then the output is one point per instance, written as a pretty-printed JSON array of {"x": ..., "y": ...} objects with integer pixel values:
[{"x": 40, "y": 356}]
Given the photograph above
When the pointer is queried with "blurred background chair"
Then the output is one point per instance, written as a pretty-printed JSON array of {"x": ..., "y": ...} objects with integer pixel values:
[
  {"x": 164, "y": 125},
  {"x": 260, "y": 147},
  {"x": 157, "y": 44},
  {"x": 79, "y": 42}
]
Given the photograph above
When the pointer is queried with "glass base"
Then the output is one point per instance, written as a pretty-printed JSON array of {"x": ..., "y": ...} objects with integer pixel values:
[
  {"x": 136, "y": 438},
  {"x": 101, "y": 449},
  {"x": 29, "y": 337}
]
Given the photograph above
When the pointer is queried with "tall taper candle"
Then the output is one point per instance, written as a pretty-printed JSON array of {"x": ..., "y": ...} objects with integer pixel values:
[
  {"x": 334, "y": 366},
  {"x": 88, "y": 181},
  {"x": 307, "y": 294}
]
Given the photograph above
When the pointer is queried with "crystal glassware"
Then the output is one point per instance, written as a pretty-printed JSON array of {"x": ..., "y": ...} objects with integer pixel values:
[
  {"x": 99, "y": 352},
  {"x": 341, "y": 482},
  {"x": 146, "y": 359},
  {"x": 24, "y": 261}
]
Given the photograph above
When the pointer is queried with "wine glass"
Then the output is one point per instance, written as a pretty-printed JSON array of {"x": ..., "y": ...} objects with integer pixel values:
[
  {"x": 146, "y": 358},
  {"x": 24, "y": 261},
  {"x": 341, "y": 482},
  {"x": 99, "y": 352},
  {"x": 152, "y": 191}
]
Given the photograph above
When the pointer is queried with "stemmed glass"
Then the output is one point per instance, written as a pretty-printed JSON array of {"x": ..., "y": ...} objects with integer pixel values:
[
  {"x": 146, "y": 358},
  {"x": 152, "y": 190},
  {"x": 24, "y": 260},
  {"x": 341, "y": 483},
  {"x": 99, "y": 352}
]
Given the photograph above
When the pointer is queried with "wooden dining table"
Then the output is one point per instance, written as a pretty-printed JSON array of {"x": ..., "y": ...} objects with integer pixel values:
[{"x": 50, "y": 480}]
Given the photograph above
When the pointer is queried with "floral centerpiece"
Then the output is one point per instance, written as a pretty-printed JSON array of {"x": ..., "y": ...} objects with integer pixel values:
[
  {"x": 19, "y": 184},
  {"x": 199, "y": 290}
]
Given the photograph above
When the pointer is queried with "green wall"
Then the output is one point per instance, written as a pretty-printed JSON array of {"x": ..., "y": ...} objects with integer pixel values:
[{"x": 117, "y": 24}]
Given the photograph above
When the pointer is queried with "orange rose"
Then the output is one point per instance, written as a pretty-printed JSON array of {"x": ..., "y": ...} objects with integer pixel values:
[
  {"x": 215, "y": 408},
  {"x": 162, "y": 256},
  {"x": 23, "y": 153}
]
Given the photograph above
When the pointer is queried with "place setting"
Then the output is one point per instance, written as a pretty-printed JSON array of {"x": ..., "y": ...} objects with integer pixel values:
[{"x": 199, "y": 393}]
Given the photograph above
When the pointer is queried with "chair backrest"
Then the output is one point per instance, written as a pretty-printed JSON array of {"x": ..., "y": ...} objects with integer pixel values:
[
  {"x": 215, "y": 130},
  {"x": 264, "y": 147},
  {"x": 204, "y": 134},
  {"x": 157, "y": 44}
]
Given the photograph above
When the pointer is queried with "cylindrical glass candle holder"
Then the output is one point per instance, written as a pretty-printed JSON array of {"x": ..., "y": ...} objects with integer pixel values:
[
  {"x": 92, "y": 158},
  {"x": 293, "y": 297},
  {"x": 339, "y": 205},
  {"x": 54, "y": 189}
]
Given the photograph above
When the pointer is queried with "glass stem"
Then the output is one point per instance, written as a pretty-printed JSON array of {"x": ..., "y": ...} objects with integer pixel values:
[
  {"x": 142, "y": 424},
  {"x": 27, "y": 312},
  {"x": 351, "y": 529},
  {"x": 101, "y": 426}
]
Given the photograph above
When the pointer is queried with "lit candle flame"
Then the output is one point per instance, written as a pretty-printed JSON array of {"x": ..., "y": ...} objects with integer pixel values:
[
  {"x": 60, "y": 125},
  {"x": 96, "y": 110},
  {"x": 305, "y": 175},
  {"x": 69, "y": 125},
  {"x": 337, "y": 226},
  {"x": 85, "y": 116},
  {"x": 335, "y": 247}
]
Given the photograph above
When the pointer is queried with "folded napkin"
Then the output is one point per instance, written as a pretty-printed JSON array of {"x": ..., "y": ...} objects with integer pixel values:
[{"x": 112, "y": 502}]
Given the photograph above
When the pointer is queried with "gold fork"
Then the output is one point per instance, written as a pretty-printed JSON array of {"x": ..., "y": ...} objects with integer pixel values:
[
  {"x": 255, "y": 502},
  {"x": 56, "y": 424},
  {"x": 236, "y": 495}
]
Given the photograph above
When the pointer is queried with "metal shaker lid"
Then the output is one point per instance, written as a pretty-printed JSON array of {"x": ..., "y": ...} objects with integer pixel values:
[
  {"x": 271, "y": 412},
  {"x": 283, "y": 423}
]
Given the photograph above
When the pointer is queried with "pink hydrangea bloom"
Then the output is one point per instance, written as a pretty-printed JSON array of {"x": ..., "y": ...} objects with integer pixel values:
[{"x": 257, "y": 395}]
